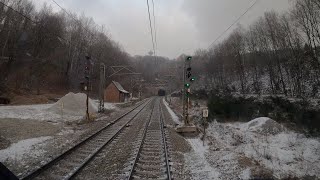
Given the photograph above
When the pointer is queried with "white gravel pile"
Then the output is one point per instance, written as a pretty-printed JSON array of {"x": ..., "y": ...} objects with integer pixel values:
[
  {"x": 73, "y": 104},
  {"x": 263, "y": 125}
]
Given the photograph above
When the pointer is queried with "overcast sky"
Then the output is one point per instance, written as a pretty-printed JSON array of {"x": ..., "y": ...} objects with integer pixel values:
[{"x": 183, "y": 26}]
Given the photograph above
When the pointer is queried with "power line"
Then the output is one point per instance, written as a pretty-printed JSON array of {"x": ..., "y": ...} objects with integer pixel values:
[
  {"x": 73, "y": 18},
  {"x": 247, "y": 10},
  {"x": 63, "y": 9},
  {"x": 79, "y": 22},
  {"x": 19, "y": 12},
  {"x": 28, "y": 18},
  {"x": 155, "y": 29},
  {"x": 154, "y": 52}
]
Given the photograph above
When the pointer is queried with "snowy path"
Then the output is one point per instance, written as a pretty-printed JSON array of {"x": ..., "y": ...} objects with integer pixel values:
[
  {"x": 197, "y": 163},
  {"x": 175, "y": 118}
]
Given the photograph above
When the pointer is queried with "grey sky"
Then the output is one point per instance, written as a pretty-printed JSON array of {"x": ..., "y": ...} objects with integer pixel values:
[{"x": 182, "y": 25}]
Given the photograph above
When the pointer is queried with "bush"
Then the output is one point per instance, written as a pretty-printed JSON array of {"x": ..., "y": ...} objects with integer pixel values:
[{"x": 279, "y": 108}]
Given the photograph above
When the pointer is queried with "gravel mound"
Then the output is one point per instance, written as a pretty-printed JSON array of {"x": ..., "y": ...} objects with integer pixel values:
[
  {"x": 263, "y": 125},
  {"x": 73, "y": 104}
]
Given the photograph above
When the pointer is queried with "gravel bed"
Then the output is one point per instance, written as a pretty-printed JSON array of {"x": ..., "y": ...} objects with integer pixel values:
[
  {"x": 111, "y": 161},
  {"x": 178, "y": 146},
  {"x": 63, "y": 136}
]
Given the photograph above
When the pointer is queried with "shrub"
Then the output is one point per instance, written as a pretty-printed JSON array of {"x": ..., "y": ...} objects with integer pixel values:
[{"x": 281, "y": 109}]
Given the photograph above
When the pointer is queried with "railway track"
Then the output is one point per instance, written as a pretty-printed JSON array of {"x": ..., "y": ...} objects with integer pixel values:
[
  {"x": 69, "y": 163},
  {"x": 151, "y": 154}
]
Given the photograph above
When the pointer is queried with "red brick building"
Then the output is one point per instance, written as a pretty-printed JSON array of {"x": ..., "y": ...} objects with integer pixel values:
[{"x": 115, "y": 93}]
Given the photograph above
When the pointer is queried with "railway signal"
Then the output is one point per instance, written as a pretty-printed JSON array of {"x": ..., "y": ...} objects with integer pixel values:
[
  {"x": 188, "y": 79},
  {"x": 188, "y": 127},
  {"x": 102, "y": 86},
  {"x": 87, "y": 77}
]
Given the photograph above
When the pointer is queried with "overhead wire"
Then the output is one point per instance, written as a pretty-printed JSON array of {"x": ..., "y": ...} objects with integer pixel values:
[
  {"x": 23, "y": 15},
  {"x": 155, "y": 29},
  {"x": 76, "y": 20},
  {"x": 150, "y": 24},
  {"x": 29, "y": 19},
  {"x": 244, "y": 13}
]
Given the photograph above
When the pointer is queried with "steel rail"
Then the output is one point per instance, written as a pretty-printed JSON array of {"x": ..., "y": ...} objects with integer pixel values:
[
  {"x": 140, "y": 146},
  {"x": 165, "y": 143},
  {"x": 46, "y": 166}
]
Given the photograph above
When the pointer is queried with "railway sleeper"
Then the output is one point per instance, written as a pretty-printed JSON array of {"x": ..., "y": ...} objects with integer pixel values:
[
  {"x": 151, "y": 150},
  {"x": 151, "y": 164},
  {"x": 151, "y": 158},
  {"x": 148, "y": 174},
  {"x": 150, "y": 168},
  {"x": 151, "y": 153},
  {"x": 143, "y": 178}
]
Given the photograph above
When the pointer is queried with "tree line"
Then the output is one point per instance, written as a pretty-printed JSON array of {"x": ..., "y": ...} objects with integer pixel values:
[
  {"x": 277, "y": 54},
  {"x": 43, "y": 48}
]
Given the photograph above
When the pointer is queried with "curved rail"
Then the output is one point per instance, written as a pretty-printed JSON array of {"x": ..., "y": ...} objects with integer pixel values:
[{"x": 45, "y": 167}]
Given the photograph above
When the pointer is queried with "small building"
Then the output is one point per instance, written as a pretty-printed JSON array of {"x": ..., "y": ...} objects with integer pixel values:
[{"x": 115, "y": 93}]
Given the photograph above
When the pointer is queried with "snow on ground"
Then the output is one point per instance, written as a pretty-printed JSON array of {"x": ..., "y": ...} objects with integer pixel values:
[
  {"x": 109, "y": 106},
  {"x": 68, "y": 108},
  {"x": 173, "y": 115},
  {"x": 266, "y": 143},
  {"x": 37, "y": 112},
  {"x": 262, "y": 125},
  {"x": 18, "y": 150},
  {"x": 196, "y": 163},
  {"x": 261, "y": 148}
]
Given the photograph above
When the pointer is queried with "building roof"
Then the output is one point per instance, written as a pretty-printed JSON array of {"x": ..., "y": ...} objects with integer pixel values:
[{"x": 119, "y": 87}]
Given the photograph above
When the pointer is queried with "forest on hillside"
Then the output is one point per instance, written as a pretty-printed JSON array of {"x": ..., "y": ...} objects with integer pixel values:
[
  {"x": 43, "y": 49},
  {"x": 278, "y": 54}
]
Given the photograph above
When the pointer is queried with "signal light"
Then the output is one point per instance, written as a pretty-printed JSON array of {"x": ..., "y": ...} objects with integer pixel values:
[
  {"x": 187, "y": 85},
  {"x": 192, "y": 79},
  {"x": 189, "y": 58}
]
